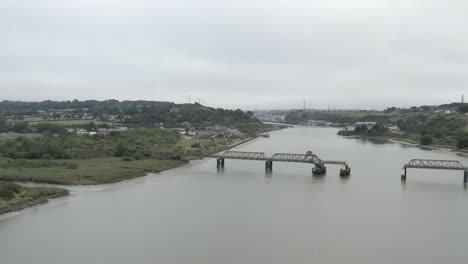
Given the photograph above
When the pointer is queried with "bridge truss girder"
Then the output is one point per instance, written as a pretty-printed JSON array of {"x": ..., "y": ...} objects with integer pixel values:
[
  {"x": 279, "y": 157},
  {"x": 289, "y": 157},
  {"x": 241, "y": 155},
  {"x": 435, "y": 164}
]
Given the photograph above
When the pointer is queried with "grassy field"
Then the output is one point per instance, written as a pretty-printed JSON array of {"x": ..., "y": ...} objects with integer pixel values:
[
  {"x": 26, "y": 119},
  {"x": 88, "y": 171},
  {"x": 14, "y": 197},
  {"x": 14, "y": 135},
  {"x": 105, "y": 170},
  {"x": 64, "y": 122},
  {"x": 70, "y": 122}
]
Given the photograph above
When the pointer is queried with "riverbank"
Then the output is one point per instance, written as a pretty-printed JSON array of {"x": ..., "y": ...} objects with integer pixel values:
[
  {"x": 236, "y": 142},
  {"x": 14, "y": 197},
  {"x": 228, "y": 147},
  {"x": 112, "y": 169},
  {"x": 164, "y": 217},
  {"x": 96, "y": 171},
  {"x": 87, "y": 171},
  {"x": 412, "y": 142}
]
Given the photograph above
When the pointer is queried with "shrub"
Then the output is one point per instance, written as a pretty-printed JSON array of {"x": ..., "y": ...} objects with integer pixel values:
[
  {"x": 70, "y": 165},
  {"x": 462, "y": 142},
  {"x": 8, "y": 190},
  {"x": 121, "y": 149},
  {"x": 426, "y": 140},
  {"x": 137, "y": 156},
  {"x": 6, "y": 194}
]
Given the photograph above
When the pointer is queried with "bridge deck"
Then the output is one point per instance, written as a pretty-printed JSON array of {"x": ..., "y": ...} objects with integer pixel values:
[{"x": 334, "y": 162}]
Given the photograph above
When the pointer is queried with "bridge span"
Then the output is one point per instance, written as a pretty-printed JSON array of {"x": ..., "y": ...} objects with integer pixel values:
[
  {"x": 308, "y": 157},
  {"x": 437, "y": 165}
]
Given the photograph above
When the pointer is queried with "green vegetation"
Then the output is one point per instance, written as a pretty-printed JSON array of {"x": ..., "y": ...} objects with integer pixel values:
[
  {"x": 15, "y": 197},
  {"x": 137, "y": 143},
  {"x": 72, "y": 159},
  {"x": 340, "y": 117},
  {"x": 38, "y": 147},
  {"x": 435, "y": 128},
  {"x": 67, "y": 159},
  {"x": 426, "y": 140},
  {"x": 462, "y": 142},
  {"x": 34, "y": 120},
  {"x": 198, "y": 148},
  {"x": 362, "y": 130},
  {"x": 24, "y": 117},
  {"x": 444, "y": 125},
  {"x": 82, "y": 171}
]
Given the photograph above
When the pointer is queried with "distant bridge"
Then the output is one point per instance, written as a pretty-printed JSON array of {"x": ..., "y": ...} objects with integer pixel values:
[
  {"x": 437, "y": 165},
  {"x": 309, "y": 157}
]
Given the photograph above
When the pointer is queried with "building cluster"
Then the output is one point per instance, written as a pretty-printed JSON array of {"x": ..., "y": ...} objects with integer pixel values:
[
  {"x": 269, "y": 117},
  {"x": 71, "y": 114},
  {"x": 209, "y": 132},
  {"x": 391, "y": 128},
  {"x": 99, "y": 131},
  {"x": 369, "y": 125},
  {"x": 318, "y": 123}
]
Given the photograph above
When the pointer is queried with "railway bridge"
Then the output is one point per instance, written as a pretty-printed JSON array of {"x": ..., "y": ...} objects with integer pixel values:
[
  {"x": 437, "y": 165},
  {"x": 308, "y": 157}
]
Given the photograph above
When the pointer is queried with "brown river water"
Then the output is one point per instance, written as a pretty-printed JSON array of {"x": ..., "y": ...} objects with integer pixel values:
[{"x": 196, "y": 214}]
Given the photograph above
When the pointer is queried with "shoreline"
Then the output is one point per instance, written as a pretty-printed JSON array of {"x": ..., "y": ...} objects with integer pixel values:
[
  {"x": 412, "y": 143},
  {"x": 21, "y": 205},
  {"x": 16, "y": 197},
  {"x": 236, "y": 144}
]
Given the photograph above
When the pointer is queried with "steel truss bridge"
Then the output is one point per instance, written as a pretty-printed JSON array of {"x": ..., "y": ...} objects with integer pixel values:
[
  {"x": 435, "y": 164},
  {"x": 308, "y": 157}
]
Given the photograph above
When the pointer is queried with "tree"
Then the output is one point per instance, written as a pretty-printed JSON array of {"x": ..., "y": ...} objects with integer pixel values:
[
  {"x": 120, "y": 149},
  {"x": 462, "y": 141},
  {"x": 56, "y": 116},
  {"x": 361, "y": 129},
  {"x": 377, "y": 130},
  {"x": 21, "y": 127},
  {"x": 6, "y": 194},
  {"x": 4, "y": 127},
  {"x": 91, "y": 126},
  {"x": 52, "y": 128},
  {"x": 463, "y": 108},
  {"x": 426, "y": 140},
  {"x": 5, "y": 166},
  {"x": 390, "y": 110},
  {"x": 8, "y": 190}
]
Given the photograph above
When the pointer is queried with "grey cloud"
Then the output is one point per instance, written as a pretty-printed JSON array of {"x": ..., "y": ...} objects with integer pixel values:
[{"x": 248, "y": 54}]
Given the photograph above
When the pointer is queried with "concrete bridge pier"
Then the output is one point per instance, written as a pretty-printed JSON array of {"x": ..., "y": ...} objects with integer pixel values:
[
  {"x": 465, "y": 177},
  {"x": 268, "y": 165},
  {"x": 319, "y": 169},
  {"x": 219, "y": 163},
  {"x": 403, "y": 176}
]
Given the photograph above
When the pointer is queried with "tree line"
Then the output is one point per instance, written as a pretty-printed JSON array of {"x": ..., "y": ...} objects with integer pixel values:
[{"x": 129, "y": 113}]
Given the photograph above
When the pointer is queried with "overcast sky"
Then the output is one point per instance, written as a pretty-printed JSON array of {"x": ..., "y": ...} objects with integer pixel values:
[{"x": 251, "y": 54}]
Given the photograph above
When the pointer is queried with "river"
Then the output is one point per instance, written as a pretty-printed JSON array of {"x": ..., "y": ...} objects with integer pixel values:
[{"x": 196, "y": 214}]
